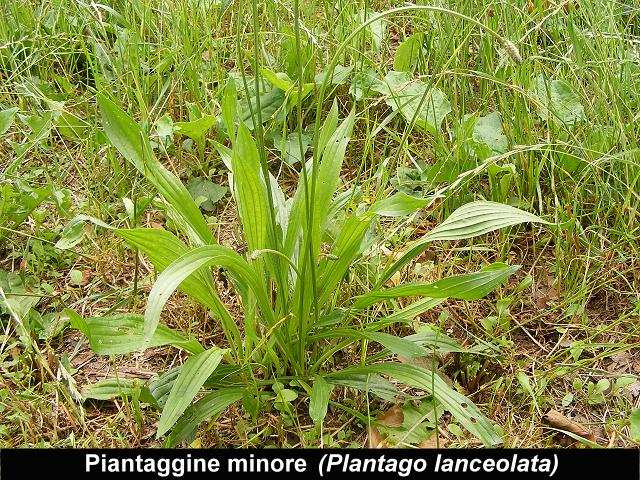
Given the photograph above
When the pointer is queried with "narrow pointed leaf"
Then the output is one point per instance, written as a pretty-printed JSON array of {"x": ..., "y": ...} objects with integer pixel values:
[
  {"x": 478, "y": 218},
  {"x": 111, "y": 388},
  {"x": 191, "y": 262},
  {"x": 470, "y": 286},
  {"x": 210, "y": 405},
  {"x": 319, "y": 399},
  {"x": 122, "y": 334},
  {"x": 366, "y": 382},
  {"x": 463, "y": 409},
  {"x": 163, "y": 248},
  {"x": 6, "y": 119},
  {"x": 397, "y": 345},
  {"x": 468, "y": 221},
  {"x": 399, "y": 205},
  {"x": 196, "y": 129},
  {"x": 193, "y": 374},
  {"x": 133, "y": 145}
]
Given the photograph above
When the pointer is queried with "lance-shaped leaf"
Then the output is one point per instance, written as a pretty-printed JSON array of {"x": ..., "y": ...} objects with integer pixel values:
[
  {"x": 345, "y": 250},
  {"x": 328, "y": 177},
  {"x": 433, "y": 339},
  {"x": 111, "y": 388},
  {"x": 196, "y": 129},
  {"x": 193, "y": 374},
  {"x": 458, "y": 405},
  {"x": 163, "y": 248},
  {"x": 408, "y": 53},
  {"x": 478, "y": 218},
  {"x": 365, "y": 382},
  {"x": 468, "y": 221},
  {"x": 191, "y": 262},
  {"x": 249, "y": 191},
  {"x": 121, "y": 334},
  {"x": 133, "y": 145},
  {"x": 471, "y": 286},
  {"x": 270, "y": 102},
  {"x": 210, "y": 405},
  {"x": 399, "y": 205},
  {"x": 399, "y": 346},
  {"x": 6, "y": 119},
  {"x": 319, "y": 399}
]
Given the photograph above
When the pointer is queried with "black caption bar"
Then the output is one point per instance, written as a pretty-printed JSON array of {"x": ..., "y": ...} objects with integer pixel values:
[{"x": 400, "y": 464}]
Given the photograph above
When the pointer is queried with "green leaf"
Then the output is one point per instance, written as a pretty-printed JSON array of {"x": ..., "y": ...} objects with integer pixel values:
[
  {"x": 111, "y": 388},
  {"x": 363, "y": 82},
  {"x": 397, "y": 345},
  {"x": 340, "y": 75},
  {"x": 191, "y": 262},
  {"x": 210, "y": 405},
  {"x": 478, "y": 218},
  {"x": 411, "y": 311},
  {"x": 345, "y": 250},
  {"x": 229, "y": 105},
  {"x": 123, "y": 333},
  {"x": 471, "y": 286},
  {"x": 432, "y": 339},
  {"x": 249, "y": 191},
  {"x": 415, "y": 100},
  {"x": 164, "y": 129},
  {"x": 457, "y": 404},
  {"x": 291, "y": 148},
  {"x": 408, "y": 53},
  {"x": 557, "y": 101},
  {"x": 319, "y": 399},
  {"x": 376, "y": 30},
  {"x": 6, "y": 119},
  {"x": 634, "y": 421},
  {"x": 206, "y": 193},
  {"x": 468, "y": 221},
  {"x": 365, "y": 382},
  {"x": 133, "y": 145},
  {"x": 72, "y": 234},
  {"x": 328, "y": 177},
  {"x": 270, "y": 102},
  {"x": 17, "y": 298},
  {"x": 419, "y": 421},
  {"x": 163, "y": 248},
  {"x": 193, "y": 374},
  {"x": 488, "y": 131},
  {"x": 279, "y": 80},
  {"x": 399, "y": 205},
  {"x": 160, "y": 386},
  {"x": 72, "y": 127},
  {"x": 196, "y": 129}
]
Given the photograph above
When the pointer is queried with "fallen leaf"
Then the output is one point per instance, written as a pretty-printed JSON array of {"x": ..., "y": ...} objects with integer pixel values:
[
  {"x": 433, "y": 442},
  {"x": 562, "y": 422},
  {"x": 391, "y": 418}
]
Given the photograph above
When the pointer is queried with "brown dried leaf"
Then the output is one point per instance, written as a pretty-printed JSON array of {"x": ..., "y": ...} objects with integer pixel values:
[
  {"x": 433, "y": 442},
  {"x": 391, "y": 418},
  {"x": 561, "y": 422}
]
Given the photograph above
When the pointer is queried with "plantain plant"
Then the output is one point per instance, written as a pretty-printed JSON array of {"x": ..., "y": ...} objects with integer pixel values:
[{"x": 290, "y": 285}]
